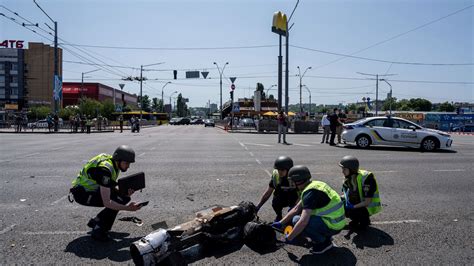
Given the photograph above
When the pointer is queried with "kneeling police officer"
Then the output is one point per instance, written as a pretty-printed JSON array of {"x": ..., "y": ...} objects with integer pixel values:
[
  {"x": 318, "y": 215},
  {"x": 96, "y": 186},
  {"x": 361, "y": 193}
]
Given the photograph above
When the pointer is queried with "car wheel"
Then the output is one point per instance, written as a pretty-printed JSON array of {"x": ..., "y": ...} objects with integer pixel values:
[
  {"x": 429, "y": 144},
  {"x": 363, "y": 141}
]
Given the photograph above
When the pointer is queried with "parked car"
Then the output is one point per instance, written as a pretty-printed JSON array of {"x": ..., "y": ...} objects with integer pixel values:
[
  {"x": 43, "y": 123},
  {"x": 209, "y": 123},
  {"x": 197, "y": 121},
  {"x": 394, "y": 131},
  {"x": 183, "y": 121},
  {"x": 173, "y": 121},
  {"x": 247, "y": 122}
]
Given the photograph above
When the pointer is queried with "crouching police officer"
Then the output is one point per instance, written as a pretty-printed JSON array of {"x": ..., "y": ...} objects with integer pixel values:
[
  {"x": 361, "y": 193},
  {"x": 321, "y": 209},
  {"x": 283, "y": 194},
  {"x": 96, "y": 186}
]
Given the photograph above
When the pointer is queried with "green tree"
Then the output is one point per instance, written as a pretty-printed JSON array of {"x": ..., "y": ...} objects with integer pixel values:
[
  {"x": 352, "y": 107},
  {"x": 181, "y": 107},
  {"x": 446, "y": 107},
  {"x": 39, "y": 112},
  {"x": 145, "y": 103},
  {"x": 404, "y": 105},
  {"x": 68, "y": 111},
  {"x": 89, "y": 107},
  {"x": 388, "y": 101},
  {"x": 107, "y": 109},
  {"x": 156, "y": 105},
  {"x": 420, "y": 104}
]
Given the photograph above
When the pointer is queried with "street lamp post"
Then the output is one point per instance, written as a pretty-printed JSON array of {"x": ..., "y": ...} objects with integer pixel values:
[
  {"x": 309, "y": 99},
  {"x": 82, "y": 80},
  {"x": 171, "y": 109},
  {"x": 274, "y": 85},
  {"x": 162, "y": 102},
  {"x": 301, "y": 79},
  {"x": 390, "y": 99},
  {"x": 141, "y": 84},
  {"x": 220, "y": 74}
]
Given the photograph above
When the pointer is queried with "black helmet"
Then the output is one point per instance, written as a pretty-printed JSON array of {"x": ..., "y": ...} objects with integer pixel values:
[
  {"x": 350, "y": 162},
  {"x": 283, "y": 163},
  {"x": 124, "y": 153},
  {"x": 299, "y": 174}
]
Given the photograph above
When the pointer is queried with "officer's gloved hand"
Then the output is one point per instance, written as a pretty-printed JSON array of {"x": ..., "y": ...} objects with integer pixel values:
[
  {"x": 349, "y": 205},
  {"x": 277, "y": 225}
]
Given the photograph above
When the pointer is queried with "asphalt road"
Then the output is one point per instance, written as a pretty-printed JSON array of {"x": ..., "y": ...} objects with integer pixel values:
[{"x": 427, "y": 197}]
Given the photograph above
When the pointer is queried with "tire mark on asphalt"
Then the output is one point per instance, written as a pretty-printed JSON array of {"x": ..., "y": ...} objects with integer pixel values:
[
  {"x": 398, "y": 222},
  {"x": 58, "y": 200},
  {"x": 142, "y": 154},
  {"x": 9, "y": 228},
  {"x": 55, "y": 149},
  {"x": 32, "y": 154}
]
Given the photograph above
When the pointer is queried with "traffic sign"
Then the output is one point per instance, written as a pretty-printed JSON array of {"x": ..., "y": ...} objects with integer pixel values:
[
  {"x": 236, "y": 108},
  {"x": 232, "y": 79},
  {"x": 232, "y": 87},
  {"x": 204, "y": 74}
]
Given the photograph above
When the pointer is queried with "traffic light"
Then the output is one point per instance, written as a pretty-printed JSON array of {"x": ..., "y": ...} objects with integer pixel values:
[{"x": 175, "y": 74}]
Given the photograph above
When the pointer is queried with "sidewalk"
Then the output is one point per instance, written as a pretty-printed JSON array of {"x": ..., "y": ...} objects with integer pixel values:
[{"x": 45, "y": 131}]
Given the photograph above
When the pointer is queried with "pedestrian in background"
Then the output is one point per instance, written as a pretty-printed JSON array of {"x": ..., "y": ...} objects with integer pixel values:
[
  {"x": 326, "y": 128},
  {"x": 120, "y": 118},
  {"x": 83, "y": 124},
  {"x": 88, "y": 124},
  {"x": 49, "y": 120},
  {"x": 56, "y": 122},
  {"x": 342, "y": 119},
  {"x": 282, "y": 125},
  {"x": 334, "y": 122}
]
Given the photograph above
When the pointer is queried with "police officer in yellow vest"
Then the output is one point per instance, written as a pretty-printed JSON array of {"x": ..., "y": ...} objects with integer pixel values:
[
  {"x": 283, "y": 194},
  {"x": 96, "y": 186},
  {"x": 361, "y": 193},
  {"x": 318, "y": 215}
]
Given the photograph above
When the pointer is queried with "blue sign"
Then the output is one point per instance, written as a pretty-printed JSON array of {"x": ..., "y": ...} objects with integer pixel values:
[
  {"x": 236, "y": 108},
  {"x": 58, "y": 88}
]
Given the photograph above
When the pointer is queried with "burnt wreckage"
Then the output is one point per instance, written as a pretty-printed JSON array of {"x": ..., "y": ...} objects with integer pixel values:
[{"x": 211, "y": 228}]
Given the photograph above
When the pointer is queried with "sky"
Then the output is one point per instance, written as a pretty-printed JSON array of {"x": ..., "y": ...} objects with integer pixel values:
[{"x": 192, "y": 34}]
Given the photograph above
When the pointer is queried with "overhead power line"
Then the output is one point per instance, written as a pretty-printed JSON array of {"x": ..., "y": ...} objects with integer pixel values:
[
  {"x": 174, "y": 48},
  {"x": 383, "y": 61}
]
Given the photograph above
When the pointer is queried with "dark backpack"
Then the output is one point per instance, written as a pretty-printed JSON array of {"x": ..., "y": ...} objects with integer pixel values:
[{"x": 259, "y": 236}]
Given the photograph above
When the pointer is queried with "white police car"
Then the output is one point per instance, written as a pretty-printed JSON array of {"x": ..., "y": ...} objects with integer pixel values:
[{"x": 396, "y": 132}]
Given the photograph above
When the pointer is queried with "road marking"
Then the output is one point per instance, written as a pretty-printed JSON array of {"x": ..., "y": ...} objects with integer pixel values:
[
  {"x": 60, "y": 199},
  {"x": 259, "y": 144},
  {"x": 398, "y": 222},
  {"x": 9, "y": 228},
  {"x": 449, "y": 170},
  {"x": 386, "y": 171},
  {"x": 302, "y": 145},
  {"x": 57, "y": 148},
  {"x": 142, "y": 154},
  {"x": 258, "y": 161},
  {"x": 251, "y": 154},
  {"x": 268, "y": 173},
  {"x": 241, "y": 144},
  {"x": 33, "y": 154},
  {"x": 245, "y": 148},
  {"x": 38, "y": 233}
]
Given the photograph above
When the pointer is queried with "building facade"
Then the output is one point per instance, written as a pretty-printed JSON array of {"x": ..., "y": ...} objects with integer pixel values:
[
  {"x": 73, "y": 91},
  {"x": 27, "y": 76}
]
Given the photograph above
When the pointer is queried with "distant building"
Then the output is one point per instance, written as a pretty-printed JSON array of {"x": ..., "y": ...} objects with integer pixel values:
[
  {"x": 73, "y": 91},
  {"x": 27, "y": 76}
]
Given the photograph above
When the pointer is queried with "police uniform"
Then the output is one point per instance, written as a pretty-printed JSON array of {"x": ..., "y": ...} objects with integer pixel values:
[
  {"x": 283, "y": 195},
  {"x": 356, "y": 192},
  {"x": 99, "y": 171}
]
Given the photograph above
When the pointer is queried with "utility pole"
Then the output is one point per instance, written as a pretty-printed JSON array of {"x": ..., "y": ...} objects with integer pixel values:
[
  {"x": 389, "y": 98},
  {"x": 220, "y": 74},
  {"x": 56, "y": 61},
  {"x": 376, "y": 87},
  {"x": 162, "y": 102},
  {"x": 301, "y": 79},
  {"x": 171, "y": 107},
  {"x": 82, "y": 82},
  {"x": 287, "y": 98},
  {"x": 309, "y": 99}
]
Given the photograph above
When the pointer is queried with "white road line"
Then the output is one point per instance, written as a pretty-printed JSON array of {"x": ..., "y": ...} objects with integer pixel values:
[
  {"x": 142, "y": 154},
  {"x": 259, "y": 144},
  {"x": 258, "y": 161},
  {"x": 60, "y": 199},
  {"x": 268, "y": 173},
  {"x": 449, "y": 170},
  {"x": 398, "y": 222},
  {"x": 9, "y": 228},
  {"x": 33, "y": 154},
  {"x": 241, "y": 144},
  {"x": 251, "y": 154},
  {"x": 246, "y": 148},
  {"x": 302, "y": 145},
  {"x": 39, "y": 233}
]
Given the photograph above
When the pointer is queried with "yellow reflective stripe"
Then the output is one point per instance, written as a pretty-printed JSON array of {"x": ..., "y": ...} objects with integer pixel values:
[{"x": 330, "y": 210}]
